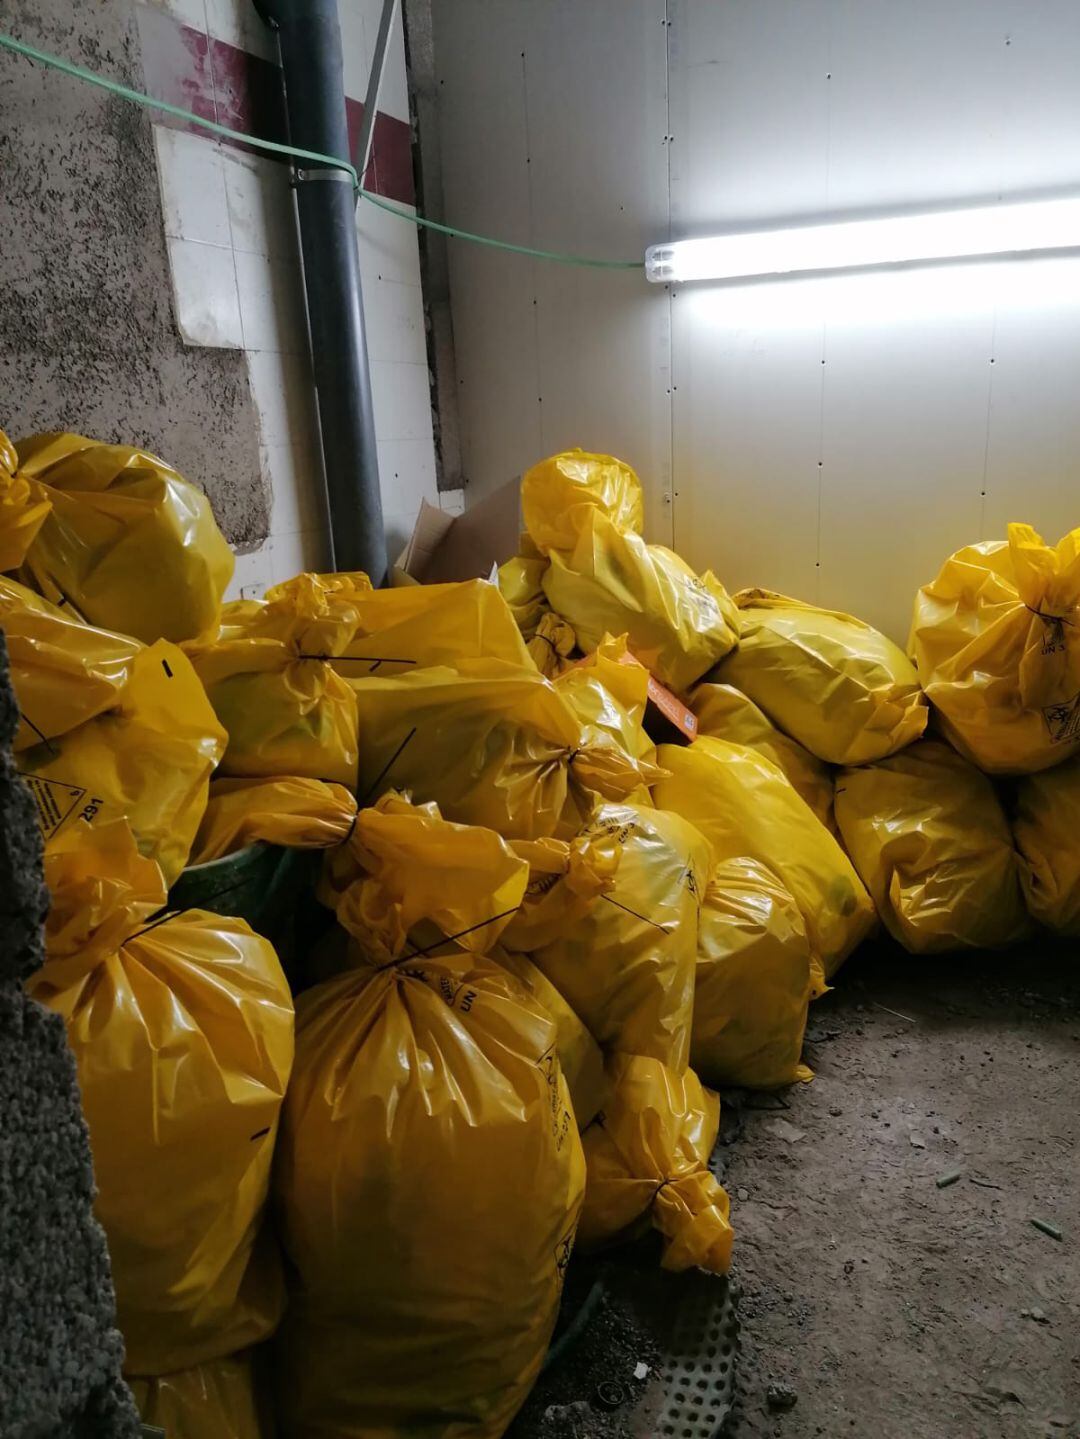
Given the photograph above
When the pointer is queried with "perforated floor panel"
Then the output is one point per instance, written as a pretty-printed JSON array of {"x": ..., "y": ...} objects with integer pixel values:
[
  {"x": 698, "y": 1358},
  {"x": 681, "y": 1329}
]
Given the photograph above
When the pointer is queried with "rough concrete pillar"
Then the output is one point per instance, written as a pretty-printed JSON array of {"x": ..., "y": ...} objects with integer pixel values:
[{"x": 60, "y": 1350}]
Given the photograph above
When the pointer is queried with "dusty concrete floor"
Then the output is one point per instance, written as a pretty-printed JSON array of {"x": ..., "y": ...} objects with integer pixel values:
[{"x": 897, "y": 1310}]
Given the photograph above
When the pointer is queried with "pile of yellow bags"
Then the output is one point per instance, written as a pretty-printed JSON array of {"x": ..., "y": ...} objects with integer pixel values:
[
  {"x": 928, "y": 835},
  {"x": 126, "y": 541},
  {"x": 182, "y": 1030},
  {"x": 745, "y": 808},
  {"x": 584, "y": 513},
  {"x": 430, "y": 1173},
  {"x": 844, "y": 691},
  {"x": 997, "y": 644},
  {"x": 548, "y": 931}
]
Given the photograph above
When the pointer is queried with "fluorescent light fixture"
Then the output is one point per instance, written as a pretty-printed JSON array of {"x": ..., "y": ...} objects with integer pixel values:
[{"x": 1023, "y": 229}]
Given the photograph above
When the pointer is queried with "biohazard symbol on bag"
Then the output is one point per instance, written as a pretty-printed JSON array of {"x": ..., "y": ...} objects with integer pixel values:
[
  {"x": 1063, "y": 720},
  {"x": 563, "y": 1251}
]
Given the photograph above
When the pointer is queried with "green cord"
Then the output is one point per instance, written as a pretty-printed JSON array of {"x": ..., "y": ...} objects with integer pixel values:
[
  {"x": 557, "y": 256},
  {"x": 136, "y": 97}
]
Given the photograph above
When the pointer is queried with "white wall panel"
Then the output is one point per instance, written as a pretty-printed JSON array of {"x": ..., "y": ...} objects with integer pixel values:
[
  {"x": 747, "y": 436},
  {"x": 553, "y": 120},
  {"x": 945, "y": 405},
  {"x": 484, "y": 154},
  {"x": 905, "y": 394},
  {"x": 749, "y": 103},
  {"x": 1033, "y": 442}
]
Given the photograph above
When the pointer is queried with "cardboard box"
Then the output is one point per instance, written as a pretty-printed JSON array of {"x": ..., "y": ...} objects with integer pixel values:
[{"x": 446, "y": 547}]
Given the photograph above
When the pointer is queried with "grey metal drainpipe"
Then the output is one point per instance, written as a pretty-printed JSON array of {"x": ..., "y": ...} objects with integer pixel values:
[{"x": 309, "y": 39}]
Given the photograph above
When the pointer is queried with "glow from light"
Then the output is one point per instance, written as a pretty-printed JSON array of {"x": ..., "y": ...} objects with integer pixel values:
[
  {"x": 904, "y": 298},
  {"x": 986, "y": 230}
]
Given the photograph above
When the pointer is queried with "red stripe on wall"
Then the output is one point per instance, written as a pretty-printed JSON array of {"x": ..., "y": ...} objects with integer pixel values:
[{"x": 221, "y": 82}]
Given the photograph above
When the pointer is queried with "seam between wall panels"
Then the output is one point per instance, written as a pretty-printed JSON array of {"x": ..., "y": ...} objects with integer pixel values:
[
  {"x": 824, "y": 326},
  {"x": 533, "y": 264},
  {"x": 669, "y": 7},
  {"x": 989, "y": 414}
]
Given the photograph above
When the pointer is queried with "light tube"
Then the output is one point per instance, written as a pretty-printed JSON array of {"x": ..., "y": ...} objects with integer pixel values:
[{"x": 1019, "y": 229}]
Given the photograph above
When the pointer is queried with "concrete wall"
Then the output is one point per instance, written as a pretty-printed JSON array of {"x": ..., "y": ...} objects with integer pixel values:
[
  {"x": 150, "y": 289},
  {"x": 87, "y": 337},
  {"x": 835, "y": 439}
]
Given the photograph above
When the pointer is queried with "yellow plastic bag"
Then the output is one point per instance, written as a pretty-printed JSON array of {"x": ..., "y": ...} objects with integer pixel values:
[
  {"x": 584, "y": 512},
  {"x": 521, "y": 586},
  {"x": 182, "y": 1031},
  {"x": 148, "y": 760},
  {"x": 647, "y": 1154},
  {"x": 723, "y": 712},
  {"x": 63, "y": 671},
  {"x": 23, "y": 508},
  {"x": 128, "y": 542},
  {"x": 419, "y": 625},
  {"x": 608, "y": 692},
  {"x": 1046, "y": 827},
  {"x": 430, "y": 1173},
  {"x": 612, "y": 921},
  {"x": 299, "y": 813},
  {"x": 753, "y": 980},
  {"x": 269, "y": 674},
  {"x": 745, "y": 807},
  {"x": 840, "y": 688},
  {"x": 215, "y": 1400},
  {"x": 927, "y": 833},
  {"x": 492, "y": 744},
  {"x": 552, "y": 645},
  {"x": 580, "y": 1058},
  {"x": 996, "y": 638}
]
